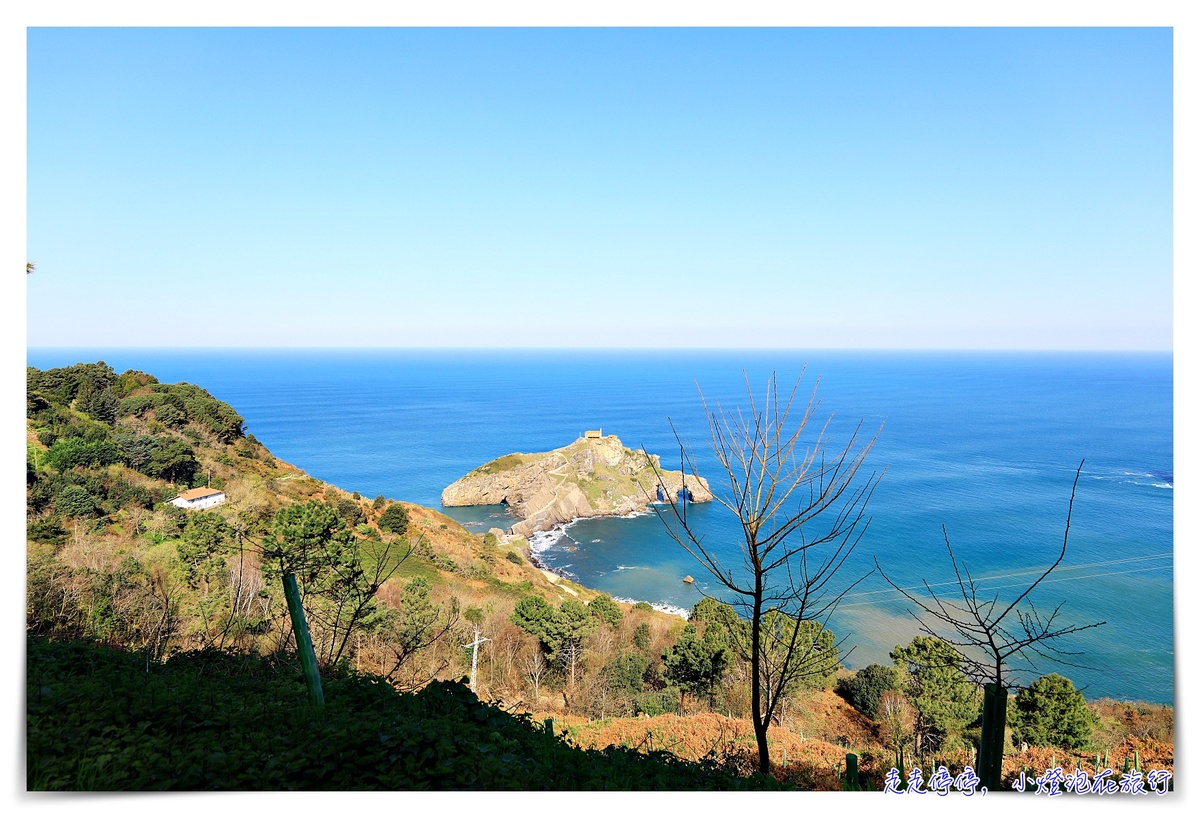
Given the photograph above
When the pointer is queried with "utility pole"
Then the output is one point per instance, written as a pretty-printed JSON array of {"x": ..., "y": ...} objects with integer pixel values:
[{"x": 474, "y": 646}]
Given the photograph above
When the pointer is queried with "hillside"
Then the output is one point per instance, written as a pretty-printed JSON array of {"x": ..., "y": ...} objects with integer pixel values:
[
  {"x": 107, "y": 452},
  {"x": 591, "y": 477},
  {"x": 100, "y": 720},
  {"x": 394, "y": 596}
]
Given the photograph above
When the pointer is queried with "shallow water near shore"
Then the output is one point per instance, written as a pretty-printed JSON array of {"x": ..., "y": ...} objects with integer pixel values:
[{"x": 984, "y": 444}]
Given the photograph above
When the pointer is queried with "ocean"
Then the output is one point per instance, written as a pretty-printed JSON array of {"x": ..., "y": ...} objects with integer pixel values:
[{"x": 978, "y": 449}]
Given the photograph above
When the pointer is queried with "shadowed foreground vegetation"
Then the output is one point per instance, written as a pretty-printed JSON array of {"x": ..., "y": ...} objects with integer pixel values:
[{"x": 105, "y": 719}]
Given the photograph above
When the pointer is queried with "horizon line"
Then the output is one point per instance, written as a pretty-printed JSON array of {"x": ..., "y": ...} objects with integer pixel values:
[{"x": 516, "y": 348}]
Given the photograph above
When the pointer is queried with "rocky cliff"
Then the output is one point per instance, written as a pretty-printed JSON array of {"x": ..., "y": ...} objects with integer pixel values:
[{"x": 592, "y": 477}]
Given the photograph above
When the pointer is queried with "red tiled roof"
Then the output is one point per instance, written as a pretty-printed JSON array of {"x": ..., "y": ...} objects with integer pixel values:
[{"x": 196, "y": 494}]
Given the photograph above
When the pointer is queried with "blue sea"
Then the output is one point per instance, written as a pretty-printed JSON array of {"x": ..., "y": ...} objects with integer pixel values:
[{"x": 977, "y": 448}]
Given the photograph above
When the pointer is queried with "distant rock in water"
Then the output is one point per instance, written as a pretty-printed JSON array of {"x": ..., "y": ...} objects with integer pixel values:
[{"x": 593, "y": 477}]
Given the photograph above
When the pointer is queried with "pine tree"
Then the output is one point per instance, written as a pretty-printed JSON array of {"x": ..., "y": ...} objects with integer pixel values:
[{"x": 1052, "y": 713}]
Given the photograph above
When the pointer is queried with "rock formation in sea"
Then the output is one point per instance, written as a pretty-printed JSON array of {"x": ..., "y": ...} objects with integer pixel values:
[{"x": 596, "y": 476}]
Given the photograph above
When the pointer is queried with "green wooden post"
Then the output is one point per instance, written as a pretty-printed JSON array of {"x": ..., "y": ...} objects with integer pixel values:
[
  {"x": 991, "y": 739},
  {"x": 304, "y": 645},
  {"x": 852, "y": 782}
]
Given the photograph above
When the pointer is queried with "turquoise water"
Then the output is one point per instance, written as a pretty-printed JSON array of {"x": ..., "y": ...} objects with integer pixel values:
[{"x": 985, "y": 444}]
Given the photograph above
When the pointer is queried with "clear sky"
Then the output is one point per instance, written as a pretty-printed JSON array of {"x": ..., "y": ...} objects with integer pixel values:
[{"x": 623, "y": 187}]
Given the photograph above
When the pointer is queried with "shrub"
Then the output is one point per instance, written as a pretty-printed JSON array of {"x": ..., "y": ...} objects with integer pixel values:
[
  {"x": 75, "y": 501},
  {"x": 394, "y": 519},
  {"x": 48, "y": 530},
  {"x": 864, "y": 690},
  {"x": 66, "y": 453},
  {"x": 641, "y": 636},
  {"x": 656, "y": 702}
]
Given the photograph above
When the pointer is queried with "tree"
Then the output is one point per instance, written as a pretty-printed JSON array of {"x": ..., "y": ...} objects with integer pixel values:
[
  {"x": 173, "y": 461},
  {"x": 536, "y": 617},
  {"x": 606, "y": 610},
  {"x": 801, "y": 509},
  {"x": 535, "y": 668},
  {"x": 695, "y": 664},
  {"x": 994, "y": 640},
  {"x": 554, "y": 629},
  {"x": 394, "y": 519},
  {"x": 1052, "y": 713},
  {"x": 625, "y": 672},
  {"x": 866, "y": 687},
  {"x": 419, "y": 623},
  {"x": 309, "y": 541},
  {"x": 75, "y": 501},
  {"x": 201, "y": 547},
  {"x": 68, "y": 452},
  {"x": 944, "y": 698},
  {"x": 641, "y": 636},
  {"x": 897, "y": 723}
]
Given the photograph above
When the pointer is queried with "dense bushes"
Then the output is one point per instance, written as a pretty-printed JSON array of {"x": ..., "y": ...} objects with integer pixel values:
[
  {"x": 100, "y": 719},
  {"x": 864, "y": 690}
]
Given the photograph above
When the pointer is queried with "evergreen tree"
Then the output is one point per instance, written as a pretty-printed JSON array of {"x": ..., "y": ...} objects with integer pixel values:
[
  {"x": 394, "y": 519},
  {"x": 606, "y": 610},
  {"x": 946, "y": 700},
  {"x": 695, "y": 664},
  {"x": 864, "y": 690},
  {"x": 1052, "y": 713},
  {"x": 555, "y": 629}
]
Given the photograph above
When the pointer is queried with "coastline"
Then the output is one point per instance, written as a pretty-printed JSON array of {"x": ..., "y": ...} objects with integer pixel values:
[{"x": 540, "y": 541}]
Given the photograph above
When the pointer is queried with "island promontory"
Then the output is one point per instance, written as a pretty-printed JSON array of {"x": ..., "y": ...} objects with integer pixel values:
[{"x": 596, "y": 476}]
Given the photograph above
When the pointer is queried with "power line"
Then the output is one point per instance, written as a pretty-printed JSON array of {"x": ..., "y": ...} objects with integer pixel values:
[
  {"x": 1028, "y": 572},
  {"x": 984, "y": 591}
]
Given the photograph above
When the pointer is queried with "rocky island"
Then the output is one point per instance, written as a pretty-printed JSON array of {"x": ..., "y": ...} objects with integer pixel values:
[{"x": 596, "y": 476}]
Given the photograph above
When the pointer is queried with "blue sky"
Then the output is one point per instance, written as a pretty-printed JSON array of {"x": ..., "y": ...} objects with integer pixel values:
[{"x": 621, "y": 187}]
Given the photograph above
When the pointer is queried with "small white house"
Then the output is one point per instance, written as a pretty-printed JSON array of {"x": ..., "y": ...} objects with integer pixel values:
[{"x": 193, "y": 499}]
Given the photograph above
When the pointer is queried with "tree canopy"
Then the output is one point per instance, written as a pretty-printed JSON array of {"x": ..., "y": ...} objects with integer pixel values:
[
  {"x": 944, "y": 697},
  {"x": 1052, "y": 713}
]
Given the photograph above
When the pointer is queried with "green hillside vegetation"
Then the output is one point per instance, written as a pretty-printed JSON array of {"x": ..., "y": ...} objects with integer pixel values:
[
  {"x": 131, "y": 598},
  {"x": 100, "y": 719}
]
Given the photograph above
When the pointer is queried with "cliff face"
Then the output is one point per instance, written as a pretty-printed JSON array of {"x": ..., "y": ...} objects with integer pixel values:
[{"x": 591, "y": 477}]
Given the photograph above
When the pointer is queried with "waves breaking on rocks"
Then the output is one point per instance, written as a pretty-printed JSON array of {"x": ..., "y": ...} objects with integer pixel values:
[{"x": 542, "y": 541}]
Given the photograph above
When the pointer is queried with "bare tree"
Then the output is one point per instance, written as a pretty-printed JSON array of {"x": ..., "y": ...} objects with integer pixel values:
[
  {"x": 897, "y": 723},
  {"x": 801, "y": 511},
  {"x": 535, "y": 668},
  {"x": 994, "y": 639}
]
